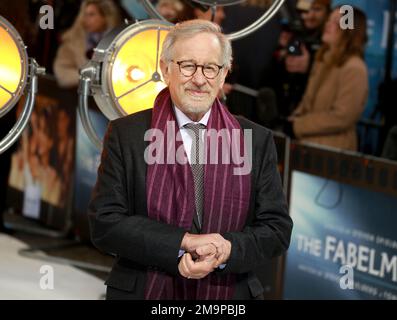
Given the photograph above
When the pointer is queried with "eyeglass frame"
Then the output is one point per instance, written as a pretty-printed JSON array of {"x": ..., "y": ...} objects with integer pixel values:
[{"x": 220, "y": 67}]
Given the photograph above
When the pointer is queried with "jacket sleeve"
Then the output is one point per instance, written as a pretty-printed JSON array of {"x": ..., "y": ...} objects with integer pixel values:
[
  {"x": 268, "y": 235},
  {"x": 345, "y": 112},
  {"x": 116, "y": 228},
  {"x": 302, "y": 105},
  {"x": 65, "y": 68}
]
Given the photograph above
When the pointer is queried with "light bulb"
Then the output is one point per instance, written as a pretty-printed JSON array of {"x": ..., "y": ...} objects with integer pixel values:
[{"x": 135, "y": 74}]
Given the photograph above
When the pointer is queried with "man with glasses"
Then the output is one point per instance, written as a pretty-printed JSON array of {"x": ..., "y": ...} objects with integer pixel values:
[{"x": 182, "y": 222}]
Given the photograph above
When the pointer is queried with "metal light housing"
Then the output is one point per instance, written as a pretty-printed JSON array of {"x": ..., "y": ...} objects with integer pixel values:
[
  {"x": 18, "y": 76},
  {"x": 13, "y": 66},
  {"x": 125, "y": 68},
  {"x": 123, "y": 75}
]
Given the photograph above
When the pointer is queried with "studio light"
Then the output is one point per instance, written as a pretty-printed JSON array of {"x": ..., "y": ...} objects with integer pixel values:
[
  {"x": 18, "y": 75},
  {"x": 13, "y": 67},
  {"x": 124, "y": 73}
]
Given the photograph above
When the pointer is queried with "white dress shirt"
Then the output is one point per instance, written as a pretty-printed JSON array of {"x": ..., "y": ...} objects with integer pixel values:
[{"x": 183, "y": 119}]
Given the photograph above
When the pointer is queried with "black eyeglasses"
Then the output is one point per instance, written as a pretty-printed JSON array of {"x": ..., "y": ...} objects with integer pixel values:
[{"x": 188, "y": 69}]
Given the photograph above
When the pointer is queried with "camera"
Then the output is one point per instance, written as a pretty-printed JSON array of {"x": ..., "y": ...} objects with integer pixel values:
[
  {"x": 294, "y": 47},
  {"x": 292, "y": 24}
]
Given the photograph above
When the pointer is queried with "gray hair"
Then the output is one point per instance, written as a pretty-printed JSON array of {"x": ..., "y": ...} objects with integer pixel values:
[{"x": 190, "y": 28}]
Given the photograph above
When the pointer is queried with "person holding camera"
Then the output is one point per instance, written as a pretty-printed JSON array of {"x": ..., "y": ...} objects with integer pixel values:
[
  {"x": 337, "y": 90},
  {"x": 301, "y": 51},
  {"x": 293, "y": 59}
]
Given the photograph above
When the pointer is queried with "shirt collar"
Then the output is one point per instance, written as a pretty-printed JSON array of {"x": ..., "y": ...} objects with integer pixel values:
[{"x": 183, "y": 119}]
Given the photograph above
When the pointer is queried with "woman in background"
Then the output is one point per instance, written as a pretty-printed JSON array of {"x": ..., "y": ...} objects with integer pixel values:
[
  {"x": 338, "y": 87},
  {"x": 95, "y": 19}
]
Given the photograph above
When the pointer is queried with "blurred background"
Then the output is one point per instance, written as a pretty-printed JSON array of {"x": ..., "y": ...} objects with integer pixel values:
[{"x": 334, "y": 119}]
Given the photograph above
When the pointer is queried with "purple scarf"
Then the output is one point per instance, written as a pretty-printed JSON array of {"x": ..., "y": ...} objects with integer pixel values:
[{"x": 170, "y": 199}]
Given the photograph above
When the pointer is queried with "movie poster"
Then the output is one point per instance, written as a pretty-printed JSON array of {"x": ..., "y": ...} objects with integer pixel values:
[
  {"x": 87, "y": 162},
  {"x": 42, "y": 168},
  {"x": 344, "y": 241}
]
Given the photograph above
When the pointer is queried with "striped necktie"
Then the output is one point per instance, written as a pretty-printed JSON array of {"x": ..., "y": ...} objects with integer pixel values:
[{"x": 197, "y": 167}]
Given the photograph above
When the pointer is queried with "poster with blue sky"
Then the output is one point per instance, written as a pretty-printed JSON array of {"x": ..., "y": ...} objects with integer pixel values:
[{"x": 344, "y": 242}]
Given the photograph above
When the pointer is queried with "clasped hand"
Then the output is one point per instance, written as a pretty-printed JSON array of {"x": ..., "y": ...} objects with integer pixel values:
[{"x": 204, "y": 253}]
